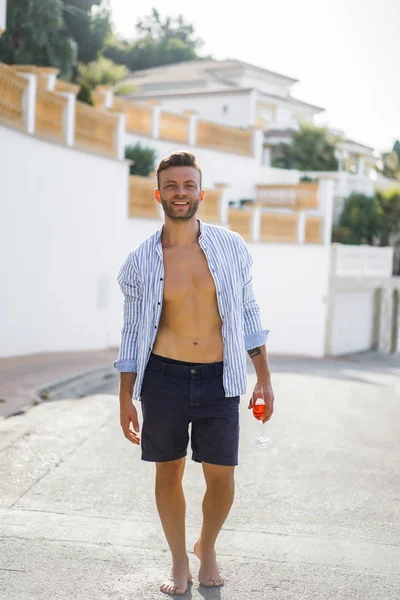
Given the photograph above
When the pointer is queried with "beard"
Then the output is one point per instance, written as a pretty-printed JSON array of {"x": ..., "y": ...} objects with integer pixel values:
[{"x": 187, "y": 213}]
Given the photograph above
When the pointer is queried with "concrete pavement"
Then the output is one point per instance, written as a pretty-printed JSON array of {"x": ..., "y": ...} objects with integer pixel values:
[{"x": 315, "y": 517}]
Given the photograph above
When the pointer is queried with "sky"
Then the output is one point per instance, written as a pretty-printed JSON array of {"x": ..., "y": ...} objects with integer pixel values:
[{"x": 345, "y": 53}]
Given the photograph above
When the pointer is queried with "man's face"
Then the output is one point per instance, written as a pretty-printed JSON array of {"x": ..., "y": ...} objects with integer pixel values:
[{"x": 179, "y": 192}]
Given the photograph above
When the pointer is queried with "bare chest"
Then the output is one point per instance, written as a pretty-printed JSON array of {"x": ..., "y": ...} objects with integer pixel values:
[{"x": 187, "y": 274}]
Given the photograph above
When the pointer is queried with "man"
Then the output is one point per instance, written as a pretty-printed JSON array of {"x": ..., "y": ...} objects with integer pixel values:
[{"x": 189, "y": 316}]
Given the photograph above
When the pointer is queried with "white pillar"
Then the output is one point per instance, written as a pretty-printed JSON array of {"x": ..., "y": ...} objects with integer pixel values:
[
  {"x": 120, "y": 134},
  {"x": 29, "y": 102},
  {"x": 108, "y": 98},
  {"x": 256, "y": 223},
  {"x": 301, "y": 227},
  {"x": 155, "y": 130},
  {"x": 3, "y": 15},
  {"x": 326, "y": 208},
  {"x": 258, "y": 144},
  {"x": 253, "y": 108},
  {"x": 361, "y": 166},
  {"x": 223, "y": 204},
  {"x": 69, "y": 118},
  {"x": 107, "y": 92},
  {"x": 192, "y": 137}
]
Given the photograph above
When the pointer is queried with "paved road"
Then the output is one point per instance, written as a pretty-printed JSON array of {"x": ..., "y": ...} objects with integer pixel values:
[{"x": 315, "y": 517}]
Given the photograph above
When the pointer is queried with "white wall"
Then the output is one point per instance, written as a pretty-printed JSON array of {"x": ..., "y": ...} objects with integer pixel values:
[
  {"x": 353, "y": 318},
  {"x": 63, "y": 231},
  {"x": 240, "y": 172},
  {"x": 291, "y": 285},
  {"x": 210, "y": 107},
  {"x": 3, "y": 11}
]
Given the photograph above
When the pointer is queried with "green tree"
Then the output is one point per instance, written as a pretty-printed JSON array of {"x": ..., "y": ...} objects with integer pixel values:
[
  {"x": 388, "y": 213},
  {"x": 143, "y": 159},
  {"x": 391, "y": 165},
  {"x": 34, "y": 36},
  {"x": 88, "y": 22},
  {"x": 85, "y": 94},
  {"x": 359, "y": 222},
  {"x": 101, "y": 72},
  {"x": 159, "y": 42},
  {"x": 310, "y": 150}
]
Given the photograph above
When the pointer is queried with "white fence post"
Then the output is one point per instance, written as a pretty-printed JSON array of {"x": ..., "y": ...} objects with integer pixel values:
[
  {"x": 50, "y": 74},
  {"x": 120, "y": 136},
  {"x": 107, "y": 92},
  {"x": 326, "y": 206},
  {"x": 223, "y": 204},
  {"x": 301, "y": 227},
  {"x": 155, "y": 129},
  {"x": 29, "y": 102},
  {"x": 258, "y": 144},
  {"x": 192, "y": 137},
  {"x": 69, "y": 118},
  {"x": 256, "y": 223}
]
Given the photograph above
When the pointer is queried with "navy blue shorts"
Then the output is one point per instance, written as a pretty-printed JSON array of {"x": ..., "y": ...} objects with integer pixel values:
[{"x": 176, "y": 393}]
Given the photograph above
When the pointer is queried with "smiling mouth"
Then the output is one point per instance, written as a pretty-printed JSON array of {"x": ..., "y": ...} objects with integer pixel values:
[{"x": 180, "y": 203}]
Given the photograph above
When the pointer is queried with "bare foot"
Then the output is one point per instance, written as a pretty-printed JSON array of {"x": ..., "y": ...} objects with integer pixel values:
[
  {"x": 178, "y": 580},
  {"x": 209, "y": 575}
]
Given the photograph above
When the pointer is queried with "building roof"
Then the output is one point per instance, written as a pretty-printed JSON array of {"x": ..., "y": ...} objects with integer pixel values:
[
  {"x": 201, "y": 77},
  {"x": 187, "y": 69}
]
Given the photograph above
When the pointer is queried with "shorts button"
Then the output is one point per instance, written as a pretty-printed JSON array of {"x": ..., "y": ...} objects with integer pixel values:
[{"x": 193, "y": 370}]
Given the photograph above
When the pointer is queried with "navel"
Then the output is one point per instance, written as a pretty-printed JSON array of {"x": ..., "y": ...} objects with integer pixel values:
[{"x": 195, "y": 343}]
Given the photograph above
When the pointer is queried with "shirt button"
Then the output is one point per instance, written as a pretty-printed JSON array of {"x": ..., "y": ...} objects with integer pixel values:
[
  {"x": 161, "y": 278},
  {"x": 193, "y": 370},
  {"x": 159, "y": 303}
]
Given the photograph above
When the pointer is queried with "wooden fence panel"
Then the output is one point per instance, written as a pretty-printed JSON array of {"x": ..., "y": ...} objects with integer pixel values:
[
  {"x": 278, "y": 227},
  {"x": 174, "y": 128},
  {"x": 298, "y": 196},
  {"x": 139, "y": 117},
  {"x": 141, "y": 199},
  {"x": 95, "y": 130},
  {"x": 50, "y": 109},
  {"x": 314, "y": 230},
  {"x": 12, "y": 90},
  {"x": 240, "y": 221},
  {"x": 225, "y": 138}
]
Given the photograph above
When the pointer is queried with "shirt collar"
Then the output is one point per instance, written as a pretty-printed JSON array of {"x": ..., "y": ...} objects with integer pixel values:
[{"x": 201, "y": 236}]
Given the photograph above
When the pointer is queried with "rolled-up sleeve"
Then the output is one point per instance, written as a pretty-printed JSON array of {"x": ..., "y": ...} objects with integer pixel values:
[
  {"x": 254, "y": 333},
  {"x": 132, "y": 290}
]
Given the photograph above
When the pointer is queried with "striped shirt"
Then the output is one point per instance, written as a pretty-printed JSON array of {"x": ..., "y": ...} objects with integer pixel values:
[{"x": 141, "y": 279}]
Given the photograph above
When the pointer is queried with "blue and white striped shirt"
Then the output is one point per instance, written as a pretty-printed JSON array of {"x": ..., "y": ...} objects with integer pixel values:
[{"x": 141, "y": 279}]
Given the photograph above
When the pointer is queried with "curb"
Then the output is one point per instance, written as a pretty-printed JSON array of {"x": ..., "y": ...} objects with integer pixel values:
[{"x": 72, "y": 387}]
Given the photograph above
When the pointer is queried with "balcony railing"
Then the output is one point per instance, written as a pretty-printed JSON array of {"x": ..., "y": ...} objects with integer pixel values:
[{"x": 32, "y": 98}]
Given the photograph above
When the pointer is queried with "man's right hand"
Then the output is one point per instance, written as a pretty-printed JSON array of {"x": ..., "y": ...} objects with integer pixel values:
[{"x": 128, "y": 415}]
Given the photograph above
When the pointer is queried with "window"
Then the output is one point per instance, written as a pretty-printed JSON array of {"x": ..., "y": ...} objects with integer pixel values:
[{"x": 225, "y": 109}]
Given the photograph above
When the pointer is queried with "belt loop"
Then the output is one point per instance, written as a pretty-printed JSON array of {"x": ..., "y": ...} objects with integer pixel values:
[{"x": 163, "y": 367}]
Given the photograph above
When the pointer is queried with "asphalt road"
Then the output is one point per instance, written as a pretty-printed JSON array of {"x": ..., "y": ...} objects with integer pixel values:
[{"x": 317, "y": 516}]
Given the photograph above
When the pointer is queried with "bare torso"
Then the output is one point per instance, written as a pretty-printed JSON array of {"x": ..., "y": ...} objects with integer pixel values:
[{"x": 190, "y": 324}]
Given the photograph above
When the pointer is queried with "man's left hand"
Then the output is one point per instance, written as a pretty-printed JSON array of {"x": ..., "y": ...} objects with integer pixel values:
[{"x": 268, "y": 399}]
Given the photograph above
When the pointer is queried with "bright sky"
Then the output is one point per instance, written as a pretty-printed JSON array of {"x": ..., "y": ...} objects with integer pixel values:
[{"x": 345, "y": 53}]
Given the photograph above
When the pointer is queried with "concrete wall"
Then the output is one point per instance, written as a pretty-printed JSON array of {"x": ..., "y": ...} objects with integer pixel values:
[
  {"x": 353, "y": 319},
  {"x": 63, "y": 232},
  {"x": 291, "y": 285}
]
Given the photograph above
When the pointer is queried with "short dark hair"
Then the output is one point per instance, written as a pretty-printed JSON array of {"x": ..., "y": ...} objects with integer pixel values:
[{"x": 178, "y": 159}]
